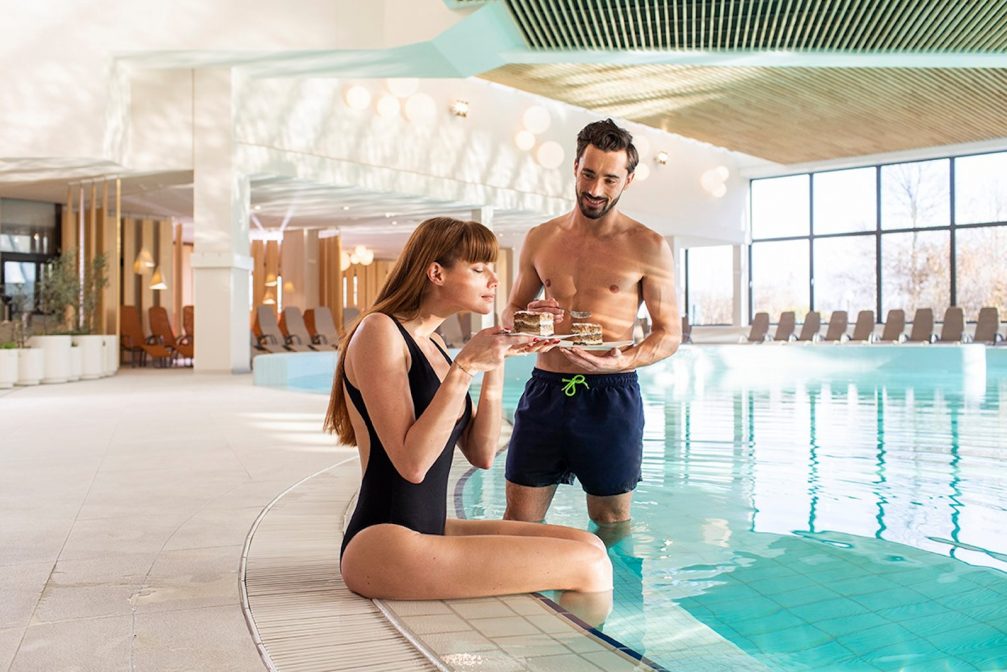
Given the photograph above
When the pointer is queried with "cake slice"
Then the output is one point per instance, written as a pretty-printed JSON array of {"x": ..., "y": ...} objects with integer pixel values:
[
  {"x": 586, "y": 333},
  {"x": 530, "y": 322}
]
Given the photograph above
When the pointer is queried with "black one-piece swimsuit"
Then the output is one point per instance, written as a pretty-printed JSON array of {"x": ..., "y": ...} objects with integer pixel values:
[{"x": 386, "y": 497}]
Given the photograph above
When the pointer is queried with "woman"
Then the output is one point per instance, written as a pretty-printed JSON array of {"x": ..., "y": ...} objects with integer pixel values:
[{"x": 400, "y": 399}]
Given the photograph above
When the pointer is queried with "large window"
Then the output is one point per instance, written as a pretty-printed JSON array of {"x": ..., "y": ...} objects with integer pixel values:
[
  {"x": 915, "y": 271},
  {"x": 780, "y": 277},
  {"x": 780, "y": 207},
  {"x": 845, "y": 275},
  {"x": 915, "y": 195},
  {"x": 710, "y": 284},
  {"x": 845, "y": 201},
  {"x": 930, "y": 256},
  {"x": 28, "y": 238}
]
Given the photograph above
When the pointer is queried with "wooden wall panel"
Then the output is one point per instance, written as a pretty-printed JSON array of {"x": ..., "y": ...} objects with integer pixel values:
[
  {"x": 165, "y": 231},
  {"x": 130, "y": 247}
]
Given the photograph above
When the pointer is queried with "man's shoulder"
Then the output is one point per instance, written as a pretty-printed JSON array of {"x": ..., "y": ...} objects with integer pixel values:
[
  {"x": 644, "y": 235},
  {"x": 546, "y": 229}
]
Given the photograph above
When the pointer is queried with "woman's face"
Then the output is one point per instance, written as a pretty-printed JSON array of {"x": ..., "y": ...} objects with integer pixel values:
[{"x": 472, "y": 285}]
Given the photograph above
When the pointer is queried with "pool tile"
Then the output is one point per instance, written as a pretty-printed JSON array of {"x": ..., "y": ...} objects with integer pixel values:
[
  {"x": 837, "y": 608},
  {"x": 469, "y": 609},
  {"x": 900, "y": 654},
  {"x": 418, "y": 607},
  {"x": 423, "y": 625},
  {"x": 971, "y": 641},
  {"x": 911, "y": 610},
  {"x": 926, "y": 626},
  {"x": 484, "y": 661},
  {"x": 527, "y": 646},
  {"x": 504, "y": 627},
  {"x": 805, "y": 596},
  {"x": 776, "y": 622},
  {"x": 444, "y": 643},
  {"x": 612, "y": 662},
  {"x": 891, "y": 633},
  {"x": 569, "y": 662}
]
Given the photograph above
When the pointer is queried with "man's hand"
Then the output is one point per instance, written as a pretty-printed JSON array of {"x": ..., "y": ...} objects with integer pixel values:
[
  {"x": 611, "y": 361},
  {"x": 547, "y": 306}
]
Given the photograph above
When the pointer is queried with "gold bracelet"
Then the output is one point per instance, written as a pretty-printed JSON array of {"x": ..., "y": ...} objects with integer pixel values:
[{"x": 470, "y": 374}]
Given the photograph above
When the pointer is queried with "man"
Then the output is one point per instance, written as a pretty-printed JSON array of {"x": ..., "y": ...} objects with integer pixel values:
[{"x": 581, "y": 413}]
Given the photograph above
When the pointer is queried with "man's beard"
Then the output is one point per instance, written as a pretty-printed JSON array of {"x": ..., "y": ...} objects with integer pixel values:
[{"x": 592, "y": 213}]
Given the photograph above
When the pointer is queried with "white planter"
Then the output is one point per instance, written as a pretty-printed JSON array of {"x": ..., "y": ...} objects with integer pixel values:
[
  {"x": 92, "y": 355},
  {"x": 76, "y": 363},
  {"x": 56, "y": 357},
  {"x": 8, "y": 368},
  {"x": 111, "y": 354},
  {"x": 30, "y": 365}
]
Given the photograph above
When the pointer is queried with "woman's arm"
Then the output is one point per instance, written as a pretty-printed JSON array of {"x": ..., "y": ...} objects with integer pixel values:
[
  {"x": 379, "y": 362},
  {"x": 481, "y": 438}
]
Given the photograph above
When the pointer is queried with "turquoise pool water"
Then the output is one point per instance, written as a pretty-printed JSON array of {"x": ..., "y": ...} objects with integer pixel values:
[
  {"x": 792, "y": 522},
  {"x": 848, "y": 524}
]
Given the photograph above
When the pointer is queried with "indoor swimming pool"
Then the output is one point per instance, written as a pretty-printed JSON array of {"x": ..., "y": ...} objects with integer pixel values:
[{"x": 844, "y": 520}]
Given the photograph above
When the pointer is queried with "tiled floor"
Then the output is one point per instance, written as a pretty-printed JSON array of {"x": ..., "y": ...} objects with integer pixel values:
[{"x": 124, "y": 504}]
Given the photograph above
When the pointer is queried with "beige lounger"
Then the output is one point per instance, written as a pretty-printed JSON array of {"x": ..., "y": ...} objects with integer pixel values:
[
  {"x": 923, "y": 326},
  {"x": 988, "y": 326},
  {"x": 785, "y": 327},
  {"x": 812, "y": 325},
  {"x": 838, "y": 322},
  {"x": 895, "y": 326},
  {"x": 863, "y": 330},
  {"x": 953, "y": 327},
  {"x": 760, "y": 328}
]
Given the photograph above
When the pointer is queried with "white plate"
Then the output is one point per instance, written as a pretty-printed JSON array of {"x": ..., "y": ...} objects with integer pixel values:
[
  {"x": 607, "y": 345},
  {"x": 518, "y": 333}
]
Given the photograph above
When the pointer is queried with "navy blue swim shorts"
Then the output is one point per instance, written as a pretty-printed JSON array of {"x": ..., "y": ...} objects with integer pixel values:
[{"x": 583, "y": 425}]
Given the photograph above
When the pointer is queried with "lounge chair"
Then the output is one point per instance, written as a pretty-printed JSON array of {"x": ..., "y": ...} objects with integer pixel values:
[
  {"x": 953, "y": 327},
  {"x": 160, "y": 328},
  {"x": 812, "y": 325},
  {"x": 321, "y": 327},
  {"x": 895, "y": 326},
  {"x": 267, "y": 331},
  {"x": 189, "y": 322},
  {"x": 136, "y": 344},
  {"x": 686, "y": 330},
  {"x": 988, "y": 326},
  {"x": 863, "y": 330},
  {"x": 294, "y": 331},
  {"x": 263, "y": 347},
  {"x": 759, "y": 331},
  {"x": 785, "y": 327},
  {"x": 923, "y": 326},
  {"x": 838, "y": 322}
]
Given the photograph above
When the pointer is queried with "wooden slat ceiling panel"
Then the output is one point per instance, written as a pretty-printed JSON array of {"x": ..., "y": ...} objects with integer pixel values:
[
  {"x": 797, "y": 25},
  {"x": 788, "y": 115}
]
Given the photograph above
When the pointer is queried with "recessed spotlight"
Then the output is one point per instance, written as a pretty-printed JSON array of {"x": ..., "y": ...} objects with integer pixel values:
[
  {"x": 550, "y": 154},
  {"x": 662, "y": 158},
  {"x": 388, "y": 106},
  {"x": 346, "y": 207},
  {"x": 536, "y": 119},
  {"x": 257, "y": 208},
  {"x": 460, "y": 108}
]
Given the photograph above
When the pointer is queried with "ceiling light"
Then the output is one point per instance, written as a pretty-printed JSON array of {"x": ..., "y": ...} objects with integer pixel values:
[
  {"x": 524, "y": 140},
  {"x": 358, "y": 97},
  {"x": 403, "y": 87},
  {"x": 536, "y": 119},
  {"x": 642, "y": 172},
  {"x": 257, "y": 208},
  {"x": 460, "y": 108},
  {"x": 420, "y": 107},
  {"x": 662, "y": 158},
  {"x": 388, "y": 106},
  {"x": 719, "y": 191},
  {"x": 550, "y": 154},
  {"x": 344, "y": 260},
  {"x": 346, "y": 207},
  {"x": 156, "y": 281},
  {"x": 722, "y": 172}
]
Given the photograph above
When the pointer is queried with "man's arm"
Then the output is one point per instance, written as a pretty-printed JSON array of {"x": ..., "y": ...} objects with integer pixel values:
[{"x": 666, "y": 334}]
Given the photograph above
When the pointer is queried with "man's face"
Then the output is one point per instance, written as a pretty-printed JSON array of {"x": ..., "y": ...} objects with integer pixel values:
[{"x": 601, "y": 178}]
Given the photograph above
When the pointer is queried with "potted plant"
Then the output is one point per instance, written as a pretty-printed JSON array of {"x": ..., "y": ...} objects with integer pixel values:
[
  {"x": 93, "y": 347},
  {"x": 60, "y": 292}
]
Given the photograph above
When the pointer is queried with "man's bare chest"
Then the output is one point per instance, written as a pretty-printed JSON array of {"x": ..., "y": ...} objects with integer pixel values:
[{"x": 566, "y": 272}]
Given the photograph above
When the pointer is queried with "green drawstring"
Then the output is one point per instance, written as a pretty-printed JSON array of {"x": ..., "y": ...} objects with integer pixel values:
[{"x": 570, "y": 388}]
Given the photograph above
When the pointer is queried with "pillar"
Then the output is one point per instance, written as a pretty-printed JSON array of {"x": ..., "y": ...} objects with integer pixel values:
[{"x": 220, "y": 260}]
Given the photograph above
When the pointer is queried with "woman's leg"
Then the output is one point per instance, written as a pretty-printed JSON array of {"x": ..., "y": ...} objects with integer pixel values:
[
  {"x": 459, "y": 527},
  {"x": 394, "y": 562}
]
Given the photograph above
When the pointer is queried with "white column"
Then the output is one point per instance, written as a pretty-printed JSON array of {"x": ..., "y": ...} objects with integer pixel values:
[
  {"x": 739, "y": 315},
  {"x": 220, "y": 260},
  {"x": 484, "y": 216}
]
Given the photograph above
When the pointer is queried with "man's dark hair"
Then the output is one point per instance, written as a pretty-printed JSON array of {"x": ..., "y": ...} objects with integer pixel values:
[{"x": 608, "y": 137}]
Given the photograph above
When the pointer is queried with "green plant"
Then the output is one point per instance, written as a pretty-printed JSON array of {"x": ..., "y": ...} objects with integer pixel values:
[
  {"x": 95, "y": 280},
  {"x": 10, "y": 345},
  {"x": 60, "y": 292}
]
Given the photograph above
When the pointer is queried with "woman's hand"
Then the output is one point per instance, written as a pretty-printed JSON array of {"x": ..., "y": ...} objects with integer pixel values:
[{"x": 488, "y": 348}]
